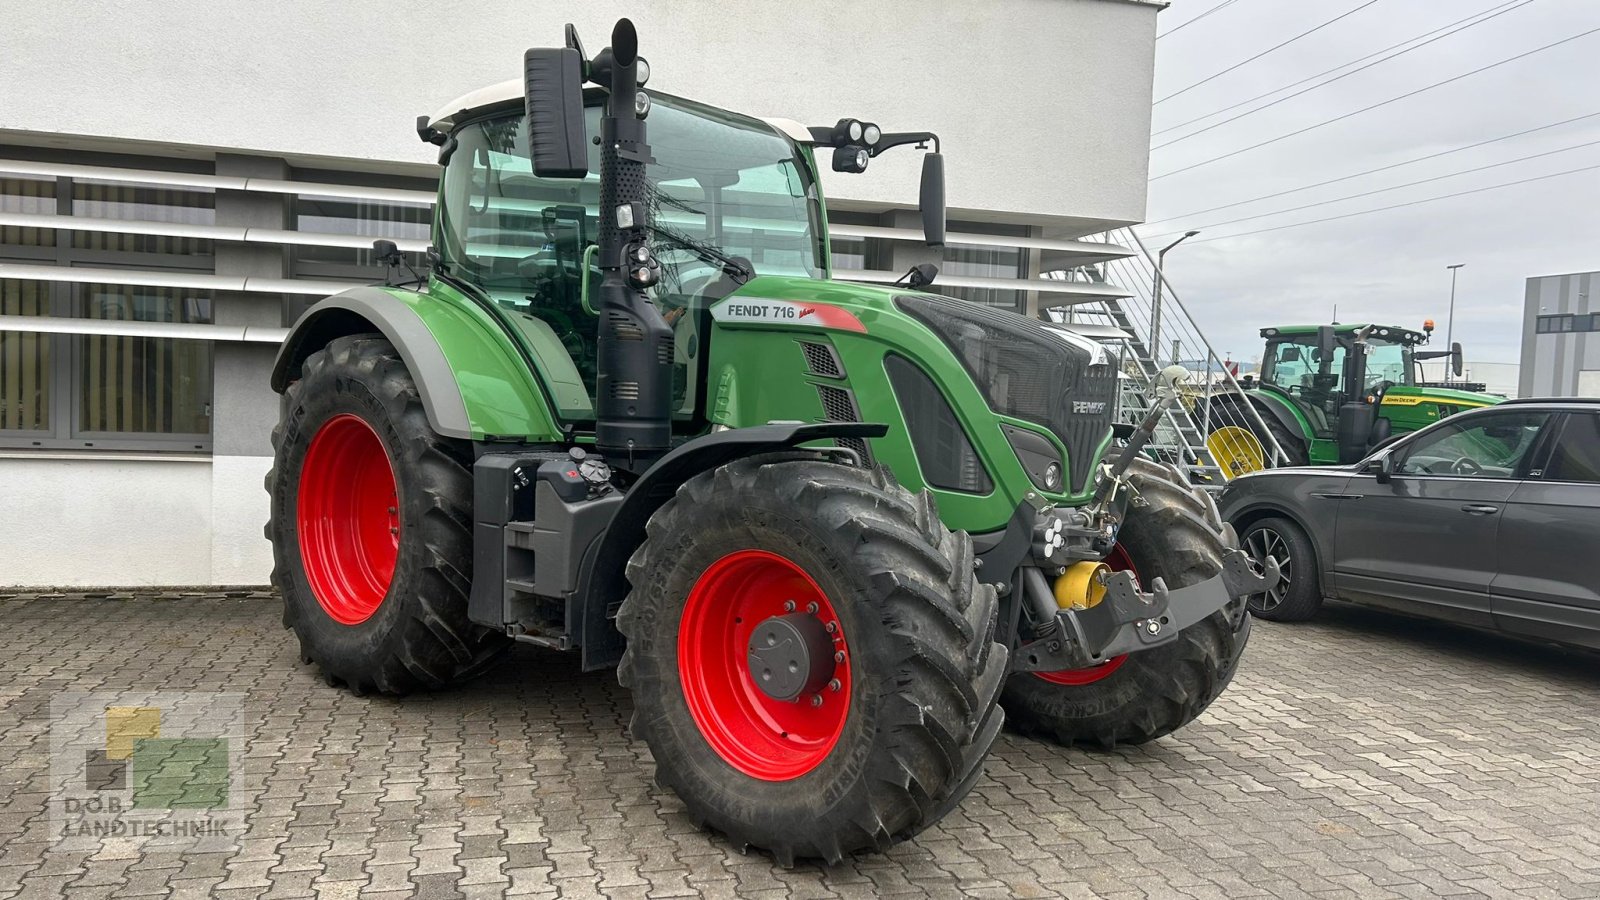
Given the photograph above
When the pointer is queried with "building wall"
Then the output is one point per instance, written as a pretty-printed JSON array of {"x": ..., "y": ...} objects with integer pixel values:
[
  {"x": 1042, "y": 105},
  {"x": 1561, "y": 363}
]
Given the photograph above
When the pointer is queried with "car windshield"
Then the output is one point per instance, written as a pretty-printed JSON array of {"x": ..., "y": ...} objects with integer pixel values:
[{"x": 719, "y": 179}]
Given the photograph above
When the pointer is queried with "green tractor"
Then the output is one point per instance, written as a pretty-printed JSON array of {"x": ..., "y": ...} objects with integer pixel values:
[
  {"x": 823, "y": 529},
  {"x": 1330, "y": 394}
]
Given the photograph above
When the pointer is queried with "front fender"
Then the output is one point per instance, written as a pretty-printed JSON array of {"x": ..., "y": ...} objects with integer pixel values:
[
  {"x": 603, "y": 583},
  {"x": 472, "y": 384}
]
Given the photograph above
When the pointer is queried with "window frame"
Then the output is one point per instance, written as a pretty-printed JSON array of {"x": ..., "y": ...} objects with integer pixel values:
[
  {"x": 66, "y": 349},
  {"x": 1537, "y": 451},
  {"x": 1553, "y": 440}
]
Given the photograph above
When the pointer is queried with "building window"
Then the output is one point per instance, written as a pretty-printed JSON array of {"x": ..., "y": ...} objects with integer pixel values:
[
  {"x": 848, "y": 253},
  {"x": 342, "y": 216},
  {"x": 104, "y": 391},
  {"x": 984, "y": 261},
  {"x": 1567, "y": 323}
]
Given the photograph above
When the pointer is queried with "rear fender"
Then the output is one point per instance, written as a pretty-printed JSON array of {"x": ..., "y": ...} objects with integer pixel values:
[{"x": 472, "y": 384}]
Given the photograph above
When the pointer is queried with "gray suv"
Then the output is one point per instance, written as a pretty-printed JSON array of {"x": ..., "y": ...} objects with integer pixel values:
[{"x": 1490, "y": 518}]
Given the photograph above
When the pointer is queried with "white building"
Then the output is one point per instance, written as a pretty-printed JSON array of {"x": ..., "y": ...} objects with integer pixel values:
[
  {"x": 1561, "y": 336},
  {"x": 178, "y": 182}
]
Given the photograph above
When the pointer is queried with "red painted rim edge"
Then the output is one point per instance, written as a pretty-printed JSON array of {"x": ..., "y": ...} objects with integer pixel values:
[
  {"x": 764, "y": 738},
  {"x": 1119, "y": 560},
  {"x": 346, "y": 509}
]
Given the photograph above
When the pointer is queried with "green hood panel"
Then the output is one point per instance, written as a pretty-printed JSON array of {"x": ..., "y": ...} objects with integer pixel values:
[{"x": 1441, "y": 395}]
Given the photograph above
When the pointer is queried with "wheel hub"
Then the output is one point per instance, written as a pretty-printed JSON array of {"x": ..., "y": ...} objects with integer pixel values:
[{"x": 790, "y": 656}]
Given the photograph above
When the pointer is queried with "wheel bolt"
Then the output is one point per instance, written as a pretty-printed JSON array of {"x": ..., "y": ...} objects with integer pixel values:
[
  {"x": 838, "y": 656},
  {"x": 392, "y": 510},
  {"x": 832, "y": 627},
  {"x": 816, "y": 699},
  {"x": 393, "y": 530},
  {"x": 834, "y": 685},
  {"x": 788, "y": 606},
  {"x": 812, "y": 607}
]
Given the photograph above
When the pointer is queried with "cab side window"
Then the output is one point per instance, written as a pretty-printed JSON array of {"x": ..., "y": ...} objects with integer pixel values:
[
  {"x": 1577, "y": 453},
  {"x": 1489, "y": 446}
]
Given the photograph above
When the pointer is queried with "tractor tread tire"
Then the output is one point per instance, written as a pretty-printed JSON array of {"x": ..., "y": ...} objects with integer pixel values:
[
  {"x": 926, "y": 669},
  {"x": 1293, "y": 444},
  {"x": 420, "y": 637},
  {"x": 1173, "y": 531}
]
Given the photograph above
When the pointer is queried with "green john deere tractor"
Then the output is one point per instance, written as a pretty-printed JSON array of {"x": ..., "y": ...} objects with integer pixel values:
[
  {"x": 1329, "y": 394},
  {"x": 823, "y": 529}
]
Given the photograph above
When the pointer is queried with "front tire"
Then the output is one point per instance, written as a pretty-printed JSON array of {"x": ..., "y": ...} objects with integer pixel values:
[
  {"x": 1298, "y": 594},
  {"x": 892, "y": 728},
  {"x": 1175, "y": 535},
  {"x": 371, "y": 526}
]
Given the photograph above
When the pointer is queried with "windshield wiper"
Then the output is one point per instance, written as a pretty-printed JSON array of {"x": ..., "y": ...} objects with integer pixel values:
[{"x": 731, "y": 265}]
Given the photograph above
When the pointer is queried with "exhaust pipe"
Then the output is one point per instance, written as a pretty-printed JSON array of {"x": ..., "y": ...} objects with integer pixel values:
[{"x": 633, "y": 406}]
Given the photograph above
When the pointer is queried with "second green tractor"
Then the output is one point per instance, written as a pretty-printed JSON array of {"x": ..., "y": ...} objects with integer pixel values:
[
  {"x": 1330, "y": 394},
  {"x": 831, "y": 534}
]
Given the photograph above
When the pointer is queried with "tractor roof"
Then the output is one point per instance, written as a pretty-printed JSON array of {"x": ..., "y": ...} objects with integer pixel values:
[
  {"x": 1389, "y": 332},
  {"x": 511, "y": 94}
]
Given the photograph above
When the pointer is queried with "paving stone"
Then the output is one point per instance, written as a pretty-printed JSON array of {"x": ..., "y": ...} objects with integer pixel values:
[{"x": 1358, "y": 755}]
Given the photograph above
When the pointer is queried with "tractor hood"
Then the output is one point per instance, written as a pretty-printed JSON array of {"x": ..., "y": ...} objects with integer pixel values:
[{"x": 1400, "y": 395}]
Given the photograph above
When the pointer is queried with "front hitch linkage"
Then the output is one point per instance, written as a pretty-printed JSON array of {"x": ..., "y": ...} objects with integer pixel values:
[{"x": 1128, "y": 620}]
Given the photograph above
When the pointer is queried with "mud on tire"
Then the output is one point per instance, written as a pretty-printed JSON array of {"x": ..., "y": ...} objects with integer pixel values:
[
  {"x": 1177, "y": 535},
  {"x": 419, "y": 636},
  {"x": 924, "y": 668}
]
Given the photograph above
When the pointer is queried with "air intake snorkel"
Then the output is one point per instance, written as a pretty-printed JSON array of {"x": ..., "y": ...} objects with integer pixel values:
[{"x": 633, "y": 414}]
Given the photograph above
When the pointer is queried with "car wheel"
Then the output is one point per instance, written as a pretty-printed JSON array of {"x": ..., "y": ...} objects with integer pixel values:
[{"x": 1298, "y": 594}]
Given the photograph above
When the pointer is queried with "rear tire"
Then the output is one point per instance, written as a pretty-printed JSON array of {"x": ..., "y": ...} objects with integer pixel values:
[
  {"x": 376, "y": 615},
  {"x": 918, "y": 684},
  {"x": 1178, "y": 536},
  {"x": 1298, "y": 595},
  {"x": 1235, "y": 415}
]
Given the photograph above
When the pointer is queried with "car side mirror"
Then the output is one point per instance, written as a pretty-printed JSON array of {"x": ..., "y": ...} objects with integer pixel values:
[{"x": 1383, "y": 468}]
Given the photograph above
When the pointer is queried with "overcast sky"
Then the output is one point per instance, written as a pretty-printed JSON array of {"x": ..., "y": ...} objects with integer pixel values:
[{"x": 1387, "y": 266}]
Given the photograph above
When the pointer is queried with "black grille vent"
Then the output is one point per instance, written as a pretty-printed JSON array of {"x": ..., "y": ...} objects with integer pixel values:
[
  {"x": 625, "y": 390},
  {"x": 839, "y": 405},
  {"x": 664, "y": 351},
  {"x": 1031, "y": 370},
  {"x": 944, "y": 453},
  {"x": 624, "y": 328},
  {"x": 1089, "y": 412},
  {"x": 822, "y": 360}
]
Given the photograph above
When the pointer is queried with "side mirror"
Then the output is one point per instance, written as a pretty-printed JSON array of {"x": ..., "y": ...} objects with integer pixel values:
[
  {"x": 1326, "y": 339},
  {"x": 553, "y": 80},
  {"x": 386, "y": 252},
  {"x": 1456, "y": 364},
  {"x": 931, "y": 199},
  {"x": 1383, "y": 468}
]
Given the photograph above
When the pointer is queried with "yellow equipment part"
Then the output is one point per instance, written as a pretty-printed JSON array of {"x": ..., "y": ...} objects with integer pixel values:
[
  {"x": 1083, "y": 585},
  {"x": 1237, "y": 451}
]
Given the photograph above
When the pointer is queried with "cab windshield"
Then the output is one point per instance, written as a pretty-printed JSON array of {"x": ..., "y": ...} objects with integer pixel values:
[
  {"x": 1294, "y": 364},
  {"x": 719, "y": 180}
]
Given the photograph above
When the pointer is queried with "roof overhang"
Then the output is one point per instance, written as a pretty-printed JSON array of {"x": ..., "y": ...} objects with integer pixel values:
[{"x": 509, "y": 92}]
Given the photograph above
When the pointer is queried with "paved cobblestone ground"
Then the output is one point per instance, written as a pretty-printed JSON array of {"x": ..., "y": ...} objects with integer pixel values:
[{"x": 1362, "y": 755}]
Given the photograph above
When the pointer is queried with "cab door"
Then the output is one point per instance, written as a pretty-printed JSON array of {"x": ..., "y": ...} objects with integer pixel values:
[
  {"x": 1548, "y": 585},
  {"x": 1427, "y": 541}
]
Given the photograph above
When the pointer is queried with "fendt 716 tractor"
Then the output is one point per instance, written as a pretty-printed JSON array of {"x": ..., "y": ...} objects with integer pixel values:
[
  {"x": 1330, "y": 394},
  {"x": 822, "y": 528}
]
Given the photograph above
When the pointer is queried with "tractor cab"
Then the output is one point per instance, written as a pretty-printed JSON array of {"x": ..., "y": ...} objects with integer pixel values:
[
  {"x": 1319, "y": 375},
  {"x": 730, "y": 197}
]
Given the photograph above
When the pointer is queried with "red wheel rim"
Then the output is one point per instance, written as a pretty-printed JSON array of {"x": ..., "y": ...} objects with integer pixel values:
[
  {"x": 1119, "y": 561},
  {"x": 762, "y": 737},
  {"x": 347, "y": 510}
]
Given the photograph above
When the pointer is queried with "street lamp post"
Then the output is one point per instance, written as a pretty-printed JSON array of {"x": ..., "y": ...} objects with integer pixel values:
[
  {"x": 1155, "y": 301},
  {"x": 1450, "y": 323}
]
